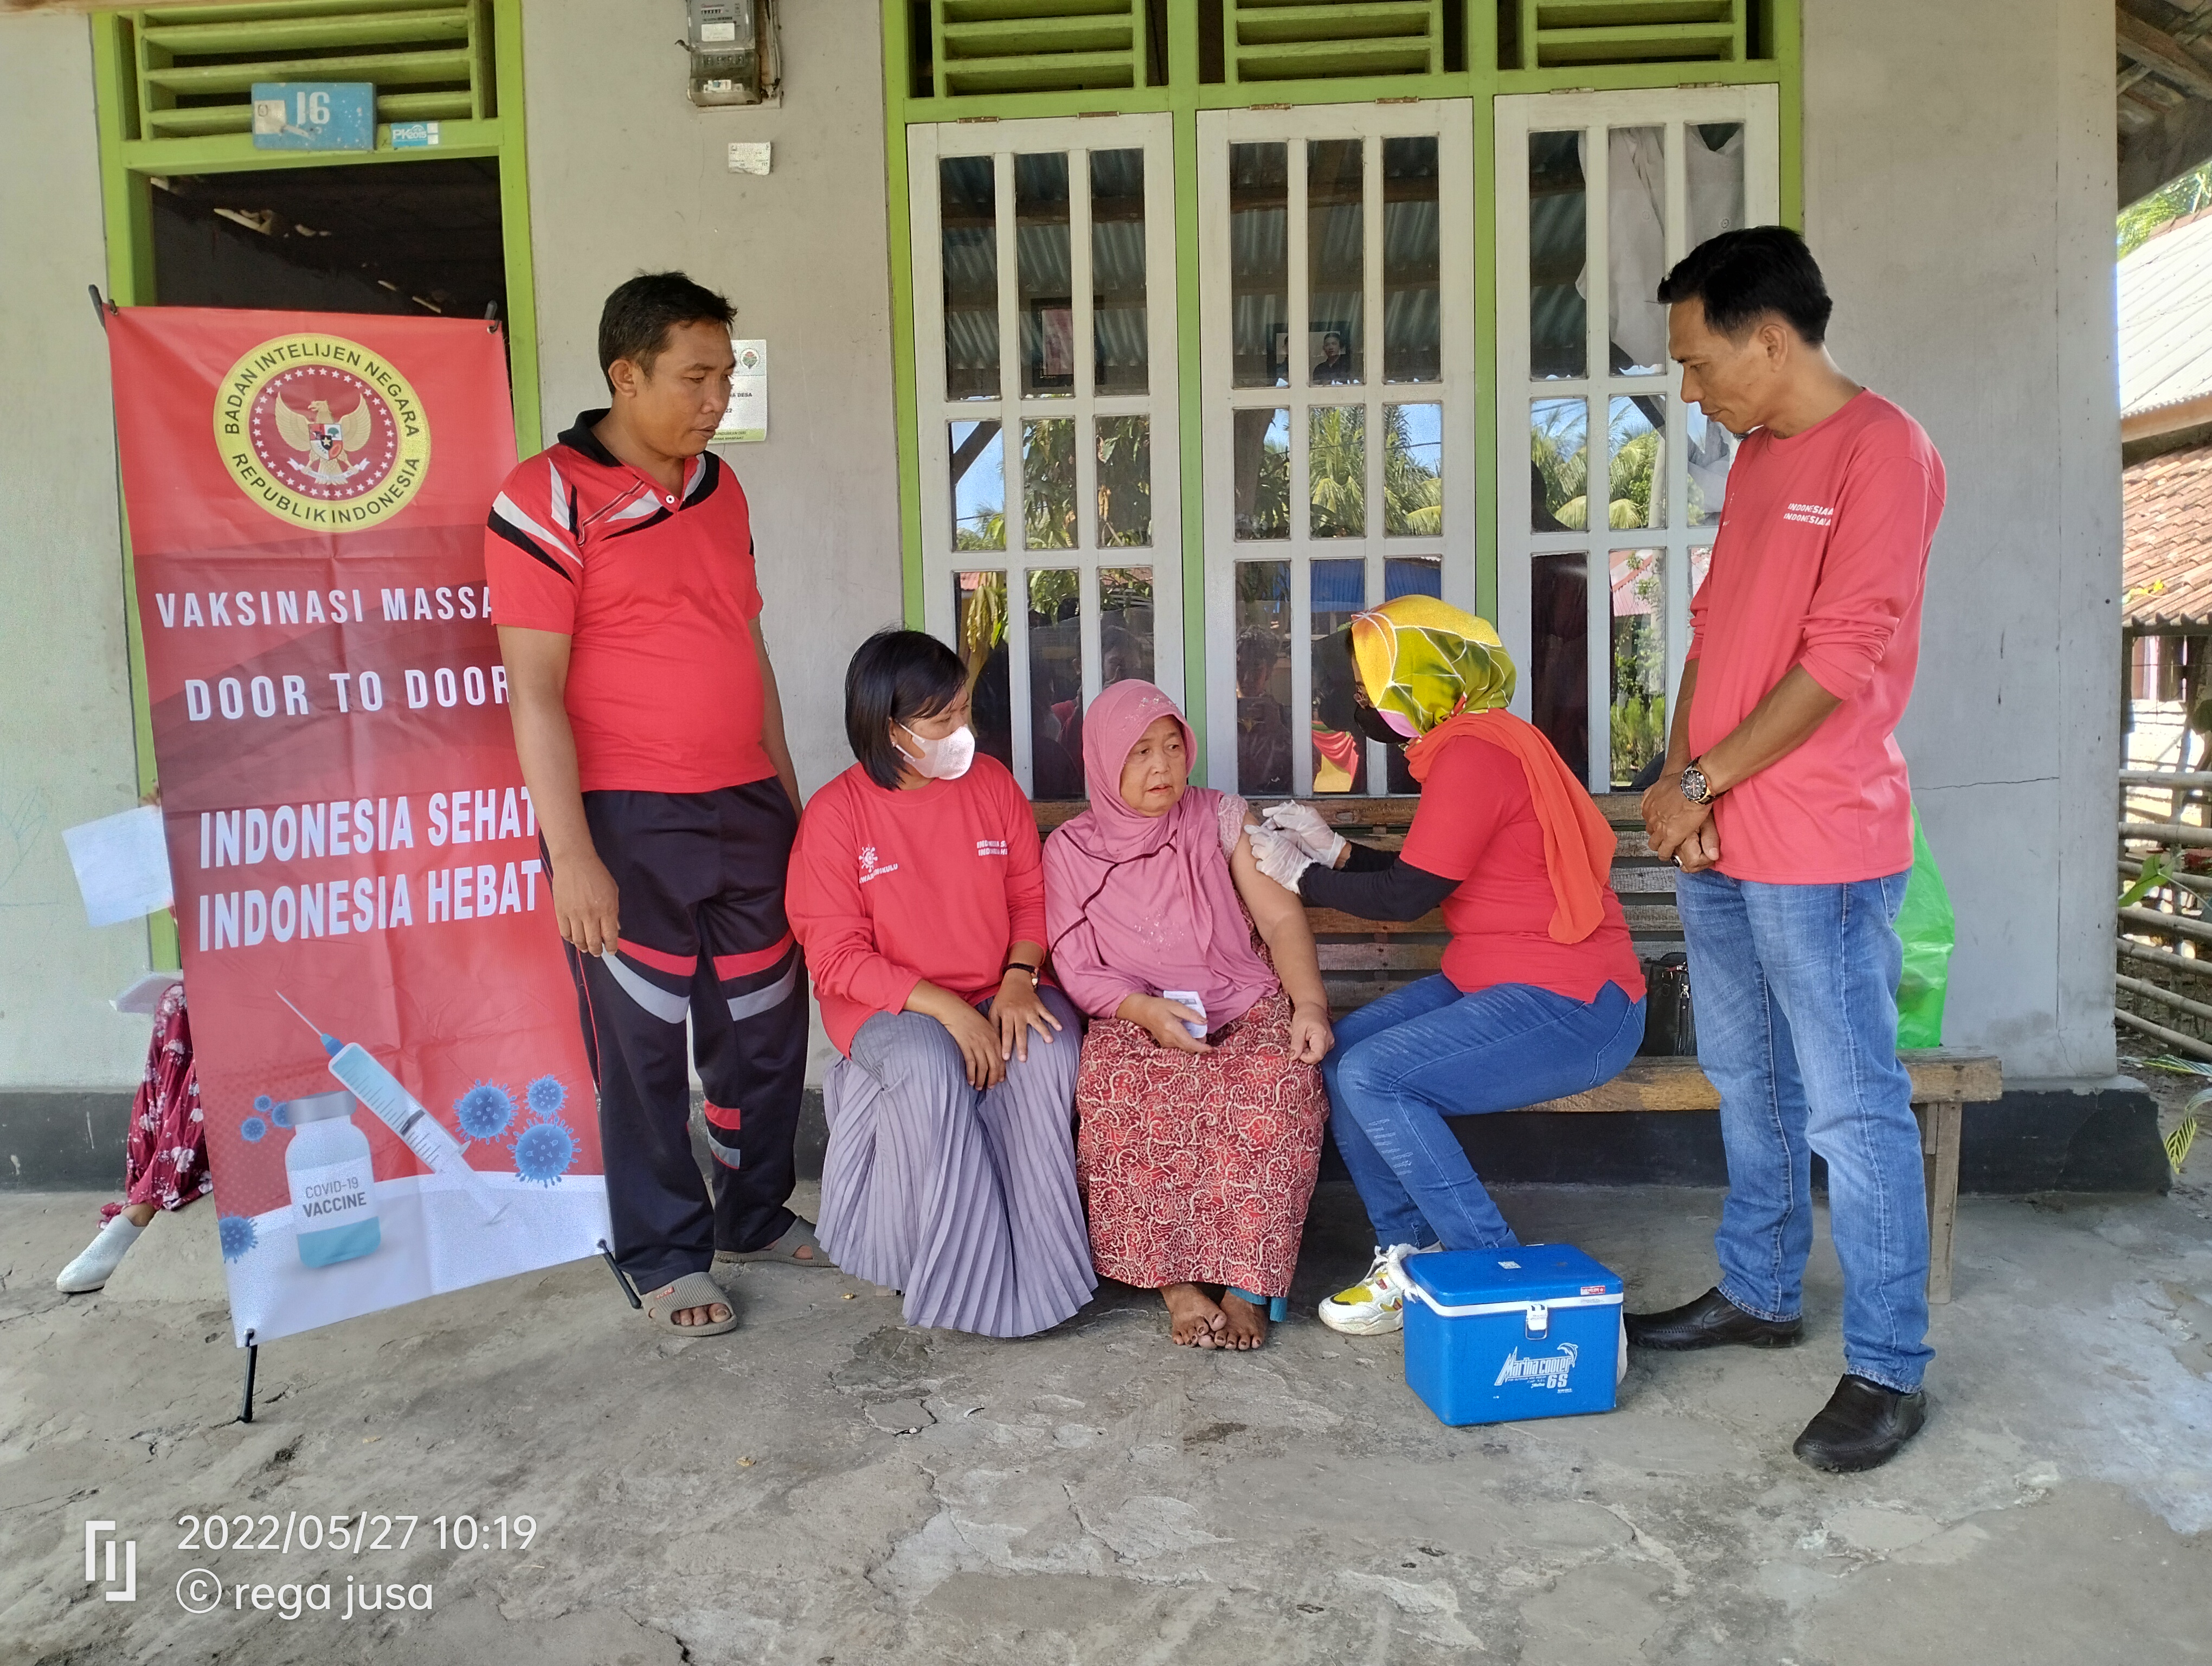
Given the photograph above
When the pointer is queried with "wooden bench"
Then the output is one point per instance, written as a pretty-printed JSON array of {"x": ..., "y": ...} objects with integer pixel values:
[{"x": 1361, "y": 960}]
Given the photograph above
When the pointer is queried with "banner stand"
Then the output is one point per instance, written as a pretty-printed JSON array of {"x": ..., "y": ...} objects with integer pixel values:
[
  {"x": 628, "y": 1290},
  {"x": 252, "y": 1359}
]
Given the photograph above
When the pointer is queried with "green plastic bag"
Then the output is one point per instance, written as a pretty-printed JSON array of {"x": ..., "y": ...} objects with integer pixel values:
[{"x": 1926, "y": 925}]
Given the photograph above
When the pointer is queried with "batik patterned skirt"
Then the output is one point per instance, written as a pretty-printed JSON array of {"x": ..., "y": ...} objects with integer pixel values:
[
  {"x": 166, "y": 1160},
  {"x": 1198, "y": 1167}
]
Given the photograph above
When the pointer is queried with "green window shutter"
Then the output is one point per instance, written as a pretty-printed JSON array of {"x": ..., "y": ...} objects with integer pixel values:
[
  {"x": 429, "y": 60},
  {"x": 986, "y": 46},
  {"x": 1565, "y": 33},
  {"x": 1295, "y": 41}
]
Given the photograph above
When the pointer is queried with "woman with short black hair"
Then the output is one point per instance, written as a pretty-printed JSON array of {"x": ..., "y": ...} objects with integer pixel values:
[{"x": 917, "y": 890}]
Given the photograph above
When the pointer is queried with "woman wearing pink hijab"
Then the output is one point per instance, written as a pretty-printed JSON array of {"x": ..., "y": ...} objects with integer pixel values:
[{"x": 1199, "y": 1096}]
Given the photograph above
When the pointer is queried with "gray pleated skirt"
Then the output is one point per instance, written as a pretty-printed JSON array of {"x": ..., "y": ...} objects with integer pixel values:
[{"x": 966, "y": 1200}]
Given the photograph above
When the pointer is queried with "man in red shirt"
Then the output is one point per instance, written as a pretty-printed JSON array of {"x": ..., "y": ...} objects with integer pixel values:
[
  {"x": 651, "y": 735},
  {"x": 1785, "y": 802}
]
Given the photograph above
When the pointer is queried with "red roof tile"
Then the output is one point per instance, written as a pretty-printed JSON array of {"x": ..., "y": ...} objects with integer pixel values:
[{"x": 2166, "y": 502}]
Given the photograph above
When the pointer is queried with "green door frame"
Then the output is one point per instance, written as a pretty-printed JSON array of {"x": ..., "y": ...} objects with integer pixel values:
[
  {"x": 128, "y": 165},
  {"x": 1184, "y": 96}
]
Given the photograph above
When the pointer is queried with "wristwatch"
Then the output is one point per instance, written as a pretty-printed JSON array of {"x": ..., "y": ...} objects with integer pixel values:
[
  {"x": 1019, "y": 966},
  {"x": 1695, "y": 787}
]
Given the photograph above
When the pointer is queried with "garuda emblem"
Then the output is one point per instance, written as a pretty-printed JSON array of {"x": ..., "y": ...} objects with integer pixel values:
[{"x": 330, "y": 444}]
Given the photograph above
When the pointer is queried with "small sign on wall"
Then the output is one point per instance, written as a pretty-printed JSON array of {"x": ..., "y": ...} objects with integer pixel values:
[
  {"x": 747, "y": 417},
  {"x": 314, "y": 115}
]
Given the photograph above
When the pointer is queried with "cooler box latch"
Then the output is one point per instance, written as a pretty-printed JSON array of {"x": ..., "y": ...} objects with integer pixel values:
[{"x": 1538, "y": 1320}]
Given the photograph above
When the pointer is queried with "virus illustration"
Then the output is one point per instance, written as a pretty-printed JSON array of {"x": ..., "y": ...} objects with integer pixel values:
[
  {"x": 262, "y": 1102},
  {"x": 279, "y": 1116},
  {"x": 237, "y": 1235},
  {"x": 485, "y": 1111},
  {"x": 252, "y": 1130},
  {"x": 546, "y": 1097},
  {"x": 544, "y": 1152}
]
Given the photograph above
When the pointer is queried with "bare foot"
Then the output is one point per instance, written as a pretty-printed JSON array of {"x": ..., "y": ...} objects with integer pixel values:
[
  {"x": 1196, "y": 1321},
  {"x": 689, "y": 1317},
  {"x": 1245, "y": 1327}
]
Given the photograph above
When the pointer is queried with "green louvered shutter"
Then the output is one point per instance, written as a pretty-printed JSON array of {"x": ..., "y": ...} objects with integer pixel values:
[
  {"x": 991, "y": 46},
  {"x": 1565, "y": 34},
  {"x": 429, "y": 60},
  {"x": 1295, "y": 41}
]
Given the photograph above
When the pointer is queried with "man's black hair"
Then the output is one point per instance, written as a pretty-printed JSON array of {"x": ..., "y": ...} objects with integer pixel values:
[
  {"x": 634, "y": 323},
  {"x": 1743, "y": 276},
  {"x": 895, "y": 676}
]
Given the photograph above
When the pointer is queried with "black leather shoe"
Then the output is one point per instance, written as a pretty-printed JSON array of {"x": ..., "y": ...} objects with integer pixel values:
[
  {"x": 1861, "y": 1427},
  {"x": 1712, "y": 1321}
]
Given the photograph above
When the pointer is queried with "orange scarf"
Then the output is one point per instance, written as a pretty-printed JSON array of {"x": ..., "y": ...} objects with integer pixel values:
[{"x": 1579, "y": 841}]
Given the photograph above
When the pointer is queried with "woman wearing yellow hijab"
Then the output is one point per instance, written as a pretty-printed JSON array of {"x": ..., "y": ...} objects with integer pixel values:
[{"x": 1540, "y": 994}]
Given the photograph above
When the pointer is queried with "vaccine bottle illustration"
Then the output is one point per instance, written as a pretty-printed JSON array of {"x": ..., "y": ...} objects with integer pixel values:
[
  {"x": 405, "y": 1114},
  {"x": 333, "y": 1185}
]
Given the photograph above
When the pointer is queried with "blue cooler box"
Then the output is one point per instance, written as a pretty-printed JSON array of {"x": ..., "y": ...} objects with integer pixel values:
[{"x": 1500, "y": 1336}]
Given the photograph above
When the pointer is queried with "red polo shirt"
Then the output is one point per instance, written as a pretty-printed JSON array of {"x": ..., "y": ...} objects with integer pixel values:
[{"x": 655, "y": 590}]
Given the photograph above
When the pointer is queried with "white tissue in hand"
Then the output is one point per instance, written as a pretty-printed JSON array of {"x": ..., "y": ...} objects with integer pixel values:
[{"x": 1188, "y": 998}]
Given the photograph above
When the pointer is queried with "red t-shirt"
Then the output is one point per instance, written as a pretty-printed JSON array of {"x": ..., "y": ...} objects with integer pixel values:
[
  {"x": 890, "y": 888},
  {"x": 655, "y": 591},
  {"x": 1476, "y": 823},
  {"x": 1819, "y": 561}
]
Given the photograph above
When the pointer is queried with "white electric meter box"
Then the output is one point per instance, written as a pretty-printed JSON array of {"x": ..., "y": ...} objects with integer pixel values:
[{"x": 732, "y": 51}]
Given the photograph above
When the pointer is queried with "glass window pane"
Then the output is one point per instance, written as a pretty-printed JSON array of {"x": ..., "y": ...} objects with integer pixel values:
[
  {"x": 1336, "y": 251},
  {"x": 1260, "y": 263},
  {"x": 1056, "y": 683},
  {"x": 1638, "y": 471},
  {"x": 967, "y": 198},
  {"x": 1339, "y": 591},
  {"x": 1263, "y": 473},
  {"x": 1413, "y": 470},
  {"x": 1125, "y": 482},
  {"x": 1125, "y": 625},
  {"x": 1640, "y": 661},
  {"x": 1636, "y": 248},
  {"x": 1559, "y": 465},
  {"x": 1559, "y": 242},
  {"x": 1412, "y": 319},
  {"x": 1336, "y": 465},
  {"x": 978, "y": 637},
  {"x": 1040, "y": 259},
  {"x": 1048, "y": 483},
  {"x": 1413, "y": 576},
  {"x": 1711, "y": 451},
  {"x": 1263, "y": 677},
  {"x": 979, "y": 486},
  {"x": 1701, "y": 562},
  {"x": 1712, "y": 163},
  {"x": 1117, "y": 270},
  {"x": 1558, "y": 652}
]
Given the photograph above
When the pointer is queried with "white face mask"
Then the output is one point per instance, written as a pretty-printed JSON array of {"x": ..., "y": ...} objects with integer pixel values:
[{"x": 945, "y": 758}]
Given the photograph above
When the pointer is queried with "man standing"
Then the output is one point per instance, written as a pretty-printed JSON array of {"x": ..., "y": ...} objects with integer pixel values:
[
  {"x": 651, "y": 735},
  {"x": 1803, "y": 643}
]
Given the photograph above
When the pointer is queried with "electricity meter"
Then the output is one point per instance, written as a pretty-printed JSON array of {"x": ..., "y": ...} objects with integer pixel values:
[{"x": 731, "y": 62}]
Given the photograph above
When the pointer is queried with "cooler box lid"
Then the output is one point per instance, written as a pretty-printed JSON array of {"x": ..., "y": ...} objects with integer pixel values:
[{"x": 1526, "y": 1272}]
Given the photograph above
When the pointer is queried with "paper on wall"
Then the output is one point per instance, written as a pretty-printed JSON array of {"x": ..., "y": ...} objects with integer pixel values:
[{"x": 122, "y": 865}]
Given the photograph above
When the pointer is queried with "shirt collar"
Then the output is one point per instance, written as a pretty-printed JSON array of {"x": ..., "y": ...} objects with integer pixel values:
[{"x": 581, "y": 438}]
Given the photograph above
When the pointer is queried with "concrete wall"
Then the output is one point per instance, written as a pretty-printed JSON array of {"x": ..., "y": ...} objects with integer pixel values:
[
  {"x": 1958, "y": 186},
  {"x": 627, "y": 176},
  {"x": 66, "y": 750}
]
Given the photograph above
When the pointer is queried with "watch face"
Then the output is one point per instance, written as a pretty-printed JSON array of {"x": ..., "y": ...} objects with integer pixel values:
[{"x": 1694, "y": 785}]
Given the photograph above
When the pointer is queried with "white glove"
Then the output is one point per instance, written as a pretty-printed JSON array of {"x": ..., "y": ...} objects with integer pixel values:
[
  {"x": 1312, "y": 834},
  {"x": 1281, "y": 858}
]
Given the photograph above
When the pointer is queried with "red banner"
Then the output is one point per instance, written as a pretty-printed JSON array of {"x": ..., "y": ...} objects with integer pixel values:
[{"x": 347, "y": 827}]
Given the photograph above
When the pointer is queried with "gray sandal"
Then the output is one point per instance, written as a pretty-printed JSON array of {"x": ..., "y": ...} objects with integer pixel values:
[
  {"x": 800, "y": 1235},
  {"x": 692, "y": 1290}
]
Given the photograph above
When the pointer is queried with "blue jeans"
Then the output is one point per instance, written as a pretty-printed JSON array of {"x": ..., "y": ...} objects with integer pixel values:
[
  {"x": 1796, "y": 1003},
  {"x": 1403, "y": 1064}
]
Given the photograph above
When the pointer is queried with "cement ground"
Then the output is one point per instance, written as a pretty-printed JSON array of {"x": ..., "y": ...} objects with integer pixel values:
[{"x": 828, "y": 1488}]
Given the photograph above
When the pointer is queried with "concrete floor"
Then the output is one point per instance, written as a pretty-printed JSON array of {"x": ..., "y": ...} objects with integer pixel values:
[{"x": 826, "y": 1488}]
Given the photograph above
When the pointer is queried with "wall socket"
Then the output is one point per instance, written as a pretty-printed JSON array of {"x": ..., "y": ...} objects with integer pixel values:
[{"x": 749, "y": 156}]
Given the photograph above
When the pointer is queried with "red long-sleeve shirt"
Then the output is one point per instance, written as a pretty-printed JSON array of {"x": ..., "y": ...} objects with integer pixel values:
[
  {"x": 889, "y": 889},
  {"x": 1820, "y": 561}
]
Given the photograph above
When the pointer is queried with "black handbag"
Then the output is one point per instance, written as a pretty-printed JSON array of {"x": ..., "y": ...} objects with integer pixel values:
[{"x": 1670, "y": 1025}]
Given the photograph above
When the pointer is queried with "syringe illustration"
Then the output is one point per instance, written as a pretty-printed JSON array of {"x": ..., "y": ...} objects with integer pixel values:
[{"x": 403, "y": 1114}]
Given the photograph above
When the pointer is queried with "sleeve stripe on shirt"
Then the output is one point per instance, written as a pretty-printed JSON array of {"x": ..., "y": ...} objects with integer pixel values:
[
  {"x": 560, "y": 500},
  {"x": 521, "y": 541},
  {"x": 504, "y": 509}
]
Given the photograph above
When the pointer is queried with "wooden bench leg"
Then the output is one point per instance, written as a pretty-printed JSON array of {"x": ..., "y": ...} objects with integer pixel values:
[{"x": 1939, "y": 1148}]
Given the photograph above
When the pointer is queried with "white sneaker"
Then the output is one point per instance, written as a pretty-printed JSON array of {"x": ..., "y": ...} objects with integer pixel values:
[
  {"x": 98, "y": 1259},
  {"x": 1375, "y": 1304}
]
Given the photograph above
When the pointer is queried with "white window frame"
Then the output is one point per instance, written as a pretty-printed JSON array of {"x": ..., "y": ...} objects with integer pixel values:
[
  {"x": 1755, "y": 106},
  {"x": 1451, "y": 122},
  {"x": 1003, "y": 141}
]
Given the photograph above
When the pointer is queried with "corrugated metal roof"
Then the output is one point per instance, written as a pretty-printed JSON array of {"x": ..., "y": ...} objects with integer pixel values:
[{"x": 2166, "y": 318}]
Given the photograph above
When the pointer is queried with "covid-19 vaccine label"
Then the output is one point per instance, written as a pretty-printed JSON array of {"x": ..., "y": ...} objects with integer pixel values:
[{"x": 332, "y": 1195}]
